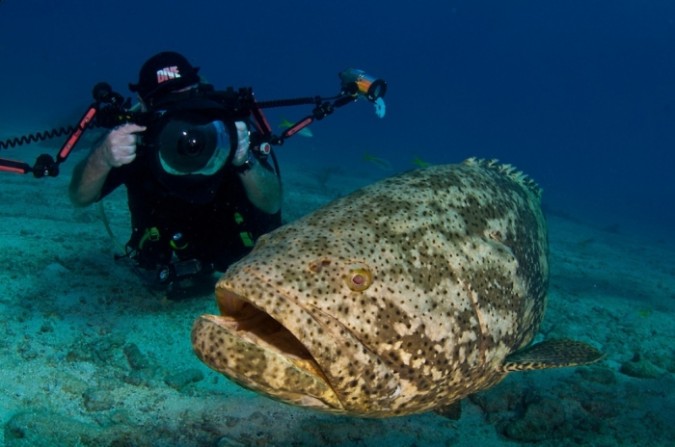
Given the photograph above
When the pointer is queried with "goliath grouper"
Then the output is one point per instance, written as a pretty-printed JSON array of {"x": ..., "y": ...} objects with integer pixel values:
[{"x": 402, "y": 297}]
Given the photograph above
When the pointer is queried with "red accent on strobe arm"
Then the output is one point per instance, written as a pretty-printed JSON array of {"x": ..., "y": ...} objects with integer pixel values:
[
  {"x": 298, "y": 127},
  {"x": 16, "y": 167},
  {"x": 77, "y": 133},
  {"x": 260, "y": 120}
]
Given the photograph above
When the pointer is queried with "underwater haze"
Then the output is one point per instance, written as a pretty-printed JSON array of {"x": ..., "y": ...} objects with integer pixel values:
[{"x": 578, "y": 94}]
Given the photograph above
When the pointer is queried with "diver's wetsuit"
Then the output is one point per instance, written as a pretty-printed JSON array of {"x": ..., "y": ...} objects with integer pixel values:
[{"x": 217, "y": 222}]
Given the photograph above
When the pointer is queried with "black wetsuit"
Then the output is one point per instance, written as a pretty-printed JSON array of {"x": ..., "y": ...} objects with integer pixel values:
[{"x": 216, "y": 221}]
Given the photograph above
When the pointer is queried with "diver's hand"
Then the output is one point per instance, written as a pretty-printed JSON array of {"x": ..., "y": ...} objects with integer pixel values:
[
  {"x": 242, "y": 154},
  {"x": 119, "y": 147}
]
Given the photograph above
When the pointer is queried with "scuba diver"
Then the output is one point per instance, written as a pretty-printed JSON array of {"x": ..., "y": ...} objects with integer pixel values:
[
  {"x": 202, "y": 181},
  {"x": 199, "y": 191}
]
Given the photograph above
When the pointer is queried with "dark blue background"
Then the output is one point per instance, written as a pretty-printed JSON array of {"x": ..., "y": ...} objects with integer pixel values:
[{"x": 579, "y": 94}]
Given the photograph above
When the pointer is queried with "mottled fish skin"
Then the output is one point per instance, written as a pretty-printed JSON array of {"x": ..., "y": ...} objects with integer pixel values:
[{"x": 399, "y": 298}]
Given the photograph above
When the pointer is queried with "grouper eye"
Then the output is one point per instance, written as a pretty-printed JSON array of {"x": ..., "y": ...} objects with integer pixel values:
[{"x": 359, "y": 277}]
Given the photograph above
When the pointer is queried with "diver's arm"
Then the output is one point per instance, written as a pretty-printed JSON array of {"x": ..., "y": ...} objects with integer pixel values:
[
  {"x": 117, "y": 149},
  {"x": 88, "y": 178},
  {"x": 262, "y": 186}
]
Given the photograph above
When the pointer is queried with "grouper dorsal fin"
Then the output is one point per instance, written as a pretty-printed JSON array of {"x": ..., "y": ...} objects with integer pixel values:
[
  {"x": 509, "y": 171},
  {"x": 552, "y": 354}
]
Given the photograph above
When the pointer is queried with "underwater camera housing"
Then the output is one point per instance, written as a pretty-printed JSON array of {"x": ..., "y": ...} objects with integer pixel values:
[
  {"x": 189, "y": 132},
  {"x": 193, "y": 130}
]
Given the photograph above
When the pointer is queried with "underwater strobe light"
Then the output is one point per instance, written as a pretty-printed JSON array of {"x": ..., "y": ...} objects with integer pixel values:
[{"x": 358, "y": 82}]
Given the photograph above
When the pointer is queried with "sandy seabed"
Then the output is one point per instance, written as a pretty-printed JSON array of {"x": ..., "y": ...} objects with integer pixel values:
[{"x": 90, "y": 357}]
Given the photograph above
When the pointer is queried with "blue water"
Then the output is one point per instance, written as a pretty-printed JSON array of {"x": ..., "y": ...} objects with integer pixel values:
[{"x": 579, "y": 94}]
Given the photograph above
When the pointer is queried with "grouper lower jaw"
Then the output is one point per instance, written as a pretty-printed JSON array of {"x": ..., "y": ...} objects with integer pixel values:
[{"x": 250, "y": 347}]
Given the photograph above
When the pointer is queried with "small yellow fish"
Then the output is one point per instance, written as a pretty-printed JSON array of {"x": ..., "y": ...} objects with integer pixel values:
[
  {"x": 417, "y": 161},
  {"x": 377, "y": 161}
]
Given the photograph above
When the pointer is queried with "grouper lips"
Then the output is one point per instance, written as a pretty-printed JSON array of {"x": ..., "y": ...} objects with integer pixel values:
[{"x": 256, "y": 350}]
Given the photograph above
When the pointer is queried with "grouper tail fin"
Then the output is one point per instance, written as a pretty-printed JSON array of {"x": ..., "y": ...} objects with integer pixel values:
[{"x": 552, "y": 354}]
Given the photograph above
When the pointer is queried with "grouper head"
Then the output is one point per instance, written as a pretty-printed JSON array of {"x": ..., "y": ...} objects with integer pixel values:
[
  {"x": 402, "y": 297},
  {"x": 303, "y": 328}
]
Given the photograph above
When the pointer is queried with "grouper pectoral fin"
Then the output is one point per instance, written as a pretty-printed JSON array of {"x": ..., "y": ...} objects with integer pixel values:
[{"x": 552, "y": 354}]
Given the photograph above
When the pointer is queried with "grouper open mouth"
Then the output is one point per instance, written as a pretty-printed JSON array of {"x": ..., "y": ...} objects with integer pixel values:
[{"x": 255, "y": 350}]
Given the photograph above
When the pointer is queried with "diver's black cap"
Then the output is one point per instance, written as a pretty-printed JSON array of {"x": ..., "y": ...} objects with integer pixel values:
[{"x": 162, "y": 73}]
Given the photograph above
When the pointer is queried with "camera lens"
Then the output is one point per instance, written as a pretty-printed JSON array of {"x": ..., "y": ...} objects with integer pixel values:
[
  {"x": 186, "y": 146},
  {"x": 191, "y": 143}
]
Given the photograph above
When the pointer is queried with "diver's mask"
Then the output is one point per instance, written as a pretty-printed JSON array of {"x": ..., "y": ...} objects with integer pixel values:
[{"x": 192, "y": 143}]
